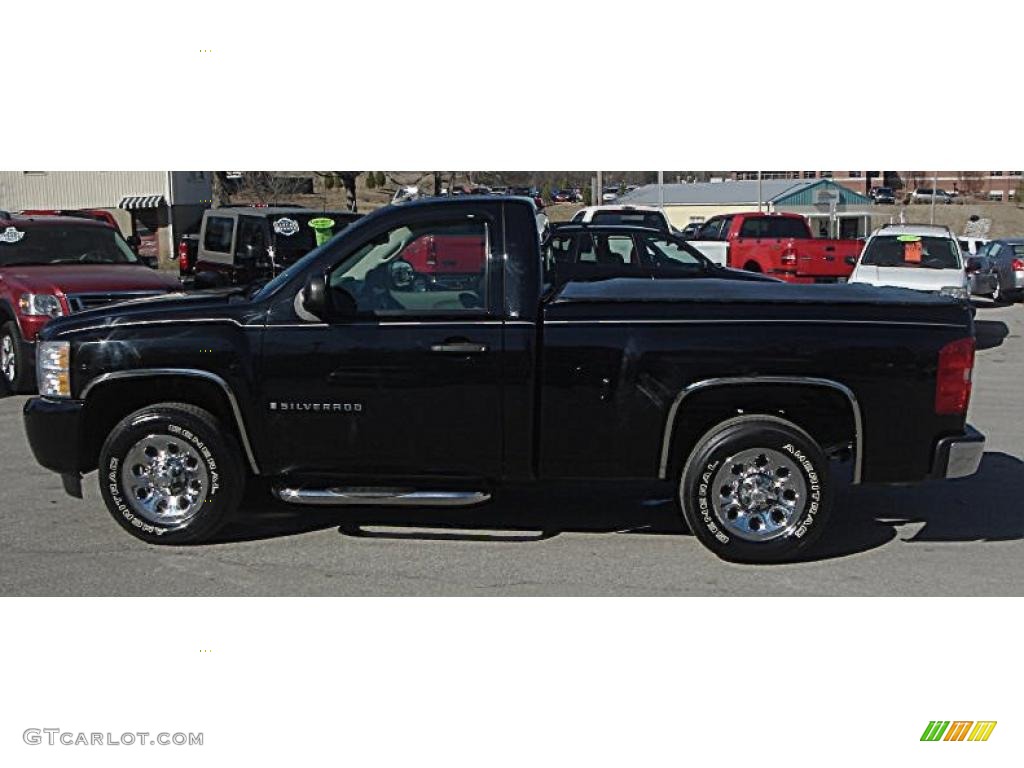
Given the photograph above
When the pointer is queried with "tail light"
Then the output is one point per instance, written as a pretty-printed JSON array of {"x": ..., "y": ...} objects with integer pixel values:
[
  {"x": 953, "y": 381},
  {"x": 183, "y": 256},
  {"x": 1017, "y": 265},
  {"x": 789, "y": 258}
]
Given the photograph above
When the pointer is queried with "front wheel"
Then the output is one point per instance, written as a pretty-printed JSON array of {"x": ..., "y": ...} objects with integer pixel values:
[
  {"x": 756, "y": 489},
  {"x": 17, "y": 374},
  {"x": 171, "y": 474}
]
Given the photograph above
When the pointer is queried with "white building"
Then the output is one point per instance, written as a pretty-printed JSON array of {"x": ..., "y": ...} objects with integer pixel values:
[{"x": 155, "y": 205}]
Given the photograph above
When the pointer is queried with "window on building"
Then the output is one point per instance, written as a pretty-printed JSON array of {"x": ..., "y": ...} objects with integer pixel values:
[
  {"x": 1017, "y": 173},
  {"x": 995, "y": 194},
  {"x": 825, "y": 174},
  {"x": 854, "y": 174},
  {"x": 996, "y": 173},
  {"x": 810, "y": 174}
]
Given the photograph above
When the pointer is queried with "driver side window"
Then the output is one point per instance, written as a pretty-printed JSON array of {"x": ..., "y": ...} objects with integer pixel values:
[{"x": 428, "y": 268}]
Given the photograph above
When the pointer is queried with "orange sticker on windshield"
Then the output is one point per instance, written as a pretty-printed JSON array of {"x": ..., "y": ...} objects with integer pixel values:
[{"x": 912, "y": 252}]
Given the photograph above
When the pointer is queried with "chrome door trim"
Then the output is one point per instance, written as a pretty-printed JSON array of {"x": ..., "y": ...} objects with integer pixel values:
[
  {"x": 858, "y": 424},
  {"x": 138, "y": 373}
]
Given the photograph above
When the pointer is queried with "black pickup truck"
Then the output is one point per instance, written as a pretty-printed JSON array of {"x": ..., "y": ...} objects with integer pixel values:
[{"x": 358, "y": 376}]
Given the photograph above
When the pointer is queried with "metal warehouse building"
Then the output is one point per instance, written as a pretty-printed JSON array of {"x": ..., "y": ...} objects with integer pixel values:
[
  {"x": 156, "y": 205},
  {"x": 833, "y": 209}
]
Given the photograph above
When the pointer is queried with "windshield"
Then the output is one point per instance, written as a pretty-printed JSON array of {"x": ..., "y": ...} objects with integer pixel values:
[
  {"x": 63, "y": 244},
  {"x": 912, "y": 251}
]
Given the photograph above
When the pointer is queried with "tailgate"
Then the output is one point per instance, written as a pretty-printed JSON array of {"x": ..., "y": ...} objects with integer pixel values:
[{"x": 825, "y": 259}]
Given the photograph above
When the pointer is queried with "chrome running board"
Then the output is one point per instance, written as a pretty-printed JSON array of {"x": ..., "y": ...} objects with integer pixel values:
[{"x": 388, "y": 497}]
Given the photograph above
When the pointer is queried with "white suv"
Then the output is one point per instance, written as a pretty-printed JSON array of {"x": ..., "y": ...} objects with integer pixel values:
[{"x": 918, "y": 256}]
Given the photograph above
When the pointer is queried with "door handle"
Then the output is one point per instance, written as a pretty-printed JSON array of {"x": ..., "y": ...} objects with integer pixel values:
[{"x": 459, "y": 348}]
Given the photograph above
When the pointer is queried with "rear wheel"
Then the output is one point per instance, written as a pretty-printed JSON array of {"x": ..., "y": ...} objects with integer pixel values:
[
  {"x": 1000, "y": 296},
  {"x": 756, "y": 489},
  {"x": 171, "y": 474},
  {"x": 14, "y": 366}
]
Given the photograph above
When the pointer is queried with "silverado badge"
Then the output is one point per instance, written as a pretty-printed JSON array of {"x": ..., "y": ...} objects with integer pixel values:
[{"x": 293, "y": 406}]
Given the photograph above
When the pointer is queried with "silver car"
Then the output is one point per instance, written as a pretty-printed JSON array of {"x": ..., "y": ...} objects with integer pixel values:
[{"x": 1004, "y": 261}]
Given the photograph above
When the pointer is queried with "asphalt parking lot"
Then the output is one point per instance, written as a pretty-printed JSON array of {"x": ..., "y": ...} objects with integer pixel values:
[{"x": 963, "y": 537}]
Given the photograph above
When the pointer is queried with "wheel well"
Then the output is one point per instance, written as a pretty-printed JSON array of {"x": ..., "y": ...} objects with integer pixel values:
[
  {"x": 824, "y": 413},
  {"x": 112, "y": 400},
  {"x": 6, "y": 313},
  {"x": 752, "y": 266}
]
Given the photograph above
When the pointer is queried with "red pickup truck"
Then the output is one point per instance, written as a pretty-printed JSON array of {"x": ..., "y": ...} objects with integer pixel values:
[
  {"x": 56, "y": 265},
  {"x": 777, "y": 244}
]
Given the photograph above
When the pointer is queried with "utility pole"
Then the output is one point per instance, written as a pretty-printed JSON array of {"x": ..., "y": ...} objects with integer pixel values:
[
  {"x": 599, "y": 193},
  {"x": 759, "y": 191},
  {"x": 935, "y": 191},
  {"x": 661, "y": 190}
]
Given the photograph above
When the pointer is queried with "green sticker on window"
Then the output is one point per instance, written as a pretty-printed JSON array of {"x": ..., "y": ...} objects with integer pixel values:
[{"x": 909, "y": 238}]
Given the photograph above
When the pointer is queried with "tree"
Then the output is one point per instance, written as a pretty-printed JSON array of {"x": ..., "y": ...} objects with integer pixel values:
[
  {"x": 266, "y": 187},
  {"x": 346, "y": 179},
  {"x": 969, "y": 182},
  {"x": 371, "y": 180},
  {"x": 221, "y": 189},
  {"x": 381, "y": 180}
]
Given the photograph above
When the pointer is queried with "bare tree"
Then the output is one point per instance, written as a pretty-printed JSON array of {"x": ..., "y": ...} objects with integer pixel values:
[
  {"x": 256, "y": 186},
  {"x": 970, "y": 182},
  {"x": 221, "y": 189},
  {"x": 345, "y": 179}
]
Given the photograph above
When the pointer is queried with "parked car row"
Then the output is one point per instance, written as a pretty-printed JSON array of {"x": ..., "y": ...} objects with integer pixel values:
[{"x": 435, "y": 352}]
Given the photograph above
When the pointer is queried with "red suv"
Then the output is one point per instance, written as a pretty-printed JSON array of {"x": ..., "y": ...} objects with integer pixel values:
[{"x": 55, "y": 265}]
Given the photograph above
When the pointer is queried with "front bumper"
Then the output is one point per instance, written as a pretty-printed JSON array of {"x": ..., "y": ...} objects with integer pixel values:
[
  {"x": 54, "y": 428},
  {"x": 958, "y": 456}
]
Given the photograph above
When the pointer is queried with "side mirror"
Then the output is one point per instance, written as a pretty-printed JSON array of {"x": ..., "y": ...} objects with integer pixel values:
[
  {"x": 851, "y": 261},
  {"x": 314, "y": 296},
  {"x": 326, "y": 303}
]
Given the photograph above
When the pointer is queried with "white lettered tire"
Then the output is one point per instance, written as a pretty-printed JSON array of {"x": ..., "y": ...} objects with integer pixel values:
[
  {"x": 171, "y": 473},
  {"x": 756, "y": 489}
]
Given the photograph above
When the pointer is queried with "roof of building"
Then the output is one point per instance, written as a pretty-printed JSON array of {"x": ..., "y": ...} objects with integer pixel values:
[{"x": 733, "y": 192}]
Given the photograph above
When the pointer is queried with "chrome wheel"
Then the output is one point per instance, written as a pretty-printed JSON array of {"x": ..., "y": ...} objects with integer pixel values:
[
  {"x": 8, "y": 359},
  {"x": 164, "y": 479},
  {"x": 759, "y": 494}
]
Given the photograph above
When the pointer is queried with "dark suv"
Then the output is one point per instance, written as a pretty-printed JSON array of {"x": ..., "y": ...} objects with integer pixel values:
[{"x": 238, "y": 245}]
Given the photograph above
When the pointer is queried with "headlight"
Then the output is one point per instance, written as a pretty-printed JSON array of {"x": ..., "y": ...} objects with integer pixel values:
[
  {"x": 40, "y": 304},
  {"x": 955, "y": 292},
  {"x": 53, "y": 368}
]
